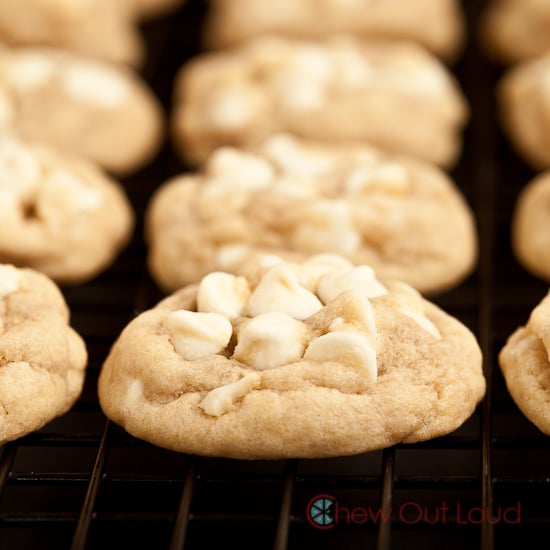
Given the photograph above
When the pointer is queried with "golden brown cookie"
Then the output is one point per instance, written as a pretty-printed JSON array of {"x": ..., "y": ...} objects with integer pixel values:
[
  {"x": 101, "y": 111},
  {"x": 393, "y": 94},
  {"x": 514, "y": 30},
  {"x": 524, "y": 103},
  {"x": 436, "y": 24},
  {"x": 60, "y": 214},
  {"x": 531, "y": 226},
  {"x": 292, "y": 360},
  {"x": 294, "y": 198},
  {"x": 99, "y": 28},
  {"x": 526, "y": 367},
  {"x": 42, "y": 359}
]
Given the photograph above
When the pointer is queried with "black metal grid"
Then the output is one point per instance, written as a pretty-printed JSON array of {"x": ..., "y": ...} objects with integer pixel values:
[{"x": 82, "y": 482}]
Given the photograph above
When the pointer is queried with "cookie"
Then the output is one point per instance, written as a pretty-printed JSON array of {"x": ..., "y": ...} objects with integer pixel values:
[
  {"x": 314, "y": 359},
  {"x": 523, "y": 95},
  {"x": 60, "y": 214},
  {"x": 98, "y": 28},
  {"x": 525, "y": 366},
  {"x": 42, "y": 359},
  {"x": 436, "y": 24},
  {"x": 294, "y": 198},
  {"x": 395, "y": 95},
  {"x": 98, "y": 110},
  {"x": 531, "y": 226},
  {"x": 515, "y": 30}
]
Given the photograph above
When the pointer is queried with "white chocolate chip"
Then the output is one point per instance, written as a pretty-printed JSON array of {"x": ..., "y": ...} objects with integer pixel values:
[
  {"x": 280, "y": 290},
  {"x": 361, "y": 278},
  {"x": 355, "y": 312},
  {"x": 219, "y": 196},
  {"x": 300, "y": 93},
  {"x": 232, "y": 176},
  {"x": 222, "y": 293},
  {"x": 221, "y": 400},
  {"x": 97, "y": 85},
  {"x": 234, "y": 108},
  {"x": 408, "y": 301},
  {"x": 29, "y": 71},
  {"x": 295, "y": 160},
  {"x": 351, "y": 69},
  {"x": 387, "y": 177},
  {"x": 421, "y": 320},
  {"x": 271, "y": 340},
  {"x": 326, "y": 226},
  {"x": 63, "y": 191},
  {"x": 135, "y": 391},
  {"x": 312, "y": 63},
  {"x": 9, "y": 279},
  {"x": 196, "y": 334},
  {"x": 243, "y": 170},
  {"x": 230, "y": 256},
  {"x": 311, "y": 270},
  {"x": 350, "y": 349}
]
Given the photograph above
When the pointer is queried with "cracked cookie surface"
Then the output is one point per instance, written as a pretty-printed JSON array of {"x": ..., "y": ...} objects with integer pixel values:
[
  {"x": 310, "y": 359},
  {"x": 42, "y": 359}
]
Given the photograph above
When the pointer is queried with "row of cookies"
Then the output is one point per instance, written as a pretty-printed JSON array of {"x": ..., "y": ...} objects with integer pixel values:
[
  {"x": 71, "y": 126},
  {"x": 517, "y": 35},
  {"x": 106, "y": 113},
  {"x": 319, "y": 327},
  {"x": 71, "y": 123},
  {"x": 316, "y": 187}
]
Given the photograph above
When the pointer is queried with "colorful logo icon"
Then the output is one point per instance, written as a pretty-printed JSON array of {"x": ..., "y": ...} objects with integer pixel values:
[{"x": 320, "y": 511}]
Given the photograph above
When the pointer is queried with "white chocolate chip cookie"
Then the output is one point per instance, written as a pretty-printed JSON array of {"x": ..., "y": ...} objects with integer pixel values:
[
  {"x": 59, "y": 214},
  {"x": 524, "y": 103},
  {"x": 514, "y": 30},
  {"x": 393, "y": 94},
  {"x": 104, "y": 29},
  {"x": 531, "y": 226},
  {"x": 436, "y": 24},
  {"x": 525, "y": 364},
  {"x": 295, "y": 198},
  {"x": 295, "y": 374},
  {"x": 102, "y": 111},
  {"x": 42, "y": 359}
]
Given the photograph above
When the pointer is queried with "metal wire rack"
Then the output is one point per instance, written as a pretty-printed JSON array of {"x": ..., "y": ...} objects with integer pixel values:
[{"x": 83, "y": 483}]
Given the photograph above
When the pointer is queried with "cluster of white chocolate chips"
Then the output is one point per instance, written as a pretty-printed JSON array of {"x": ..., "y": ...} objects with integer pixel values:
[
  {"x": 272, "y": 329},
  {"x": 305, "y": 75},
  {"x": 53, "y": 193},
  {"x": 89, "y": 82},
  {"x": 322, "y": 191}
]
